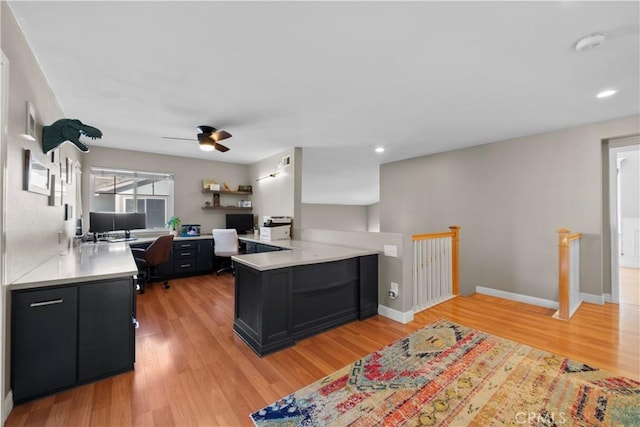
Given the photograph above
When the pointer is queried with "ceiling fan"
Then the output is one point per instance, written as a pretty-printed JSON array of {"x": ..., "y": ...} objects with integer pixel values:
[{"x": 208, "y": 138}]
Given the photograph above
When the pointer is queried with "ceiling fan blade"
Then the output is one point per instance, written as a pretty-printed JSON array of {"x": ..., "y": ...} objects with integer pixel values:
[
  {"x": 221, "y": 147},
  {"x": 182, "y": 139},
  {"x": 220, "y": 135}
]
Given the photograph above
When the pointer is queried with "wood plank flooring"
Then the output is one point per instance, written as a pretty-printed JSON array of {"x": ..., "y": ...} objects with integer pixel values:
[
  {"x": 191, "y": 370},
  {"x": 629, "y": 279}
]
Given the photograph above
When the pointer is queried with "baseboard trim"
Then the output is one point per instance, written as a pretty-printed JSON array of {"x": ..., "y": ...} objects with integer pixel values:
[
  {"x": 608, "y": 298},
  {"x": 593, "y": 299},
  {"x": 7, "y": 406},
  {"x": 541, "y": 302},
  {"x": 393, "y": 314}
]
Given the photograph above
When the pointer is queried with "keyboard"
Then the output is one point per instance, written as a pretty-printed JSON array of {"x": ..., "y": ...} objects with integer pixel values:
[{"x": 123, "y": 239}]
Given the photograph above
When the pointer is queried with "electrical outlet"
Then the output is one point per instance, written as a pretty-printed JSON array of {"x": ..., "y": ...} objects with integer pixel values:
[{"x": 391, "y": 250}]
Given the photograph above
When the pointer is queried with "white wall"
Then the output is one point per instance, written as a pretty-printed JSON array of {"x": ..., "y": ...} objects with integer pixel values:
[
  {"x": 188, "y": 176},
  {"x": 281, "y": 195},
  {"x": 334, "y": 217},
  {"x": 32, "y": 226},
  {"x": 373, "y": 217},
  {"x": 509, "y": 197}
]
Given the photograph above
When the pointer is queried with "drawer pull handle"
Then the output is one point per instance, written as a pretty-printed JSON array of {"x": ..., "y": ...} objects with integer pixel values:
[
  {"x": 185, "y": 265},
  {"x": 53, "y": 301},
  {"x": 185, "y": 253},
  {"x": 188, "y": 245}
]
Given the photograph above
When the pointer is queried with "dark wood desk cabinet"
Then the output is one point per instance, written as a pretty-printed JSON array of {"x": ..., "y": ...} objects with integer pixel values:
[
  {"x": 66, "y": 335},
  {"x": 275, "y": 308},
  {"x": 188, "y": 257}
]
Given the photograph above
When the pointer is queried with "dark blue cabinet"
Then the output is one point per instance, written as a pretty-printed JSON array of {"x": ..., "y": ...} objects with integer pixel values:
[{"x": 67, "y": 335}]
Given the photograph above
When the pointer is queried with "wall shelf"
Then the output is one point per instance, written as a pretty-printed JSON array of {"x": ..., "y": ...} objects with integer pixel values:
[
  {"x": 228, "y": 196},
  {"x": 227, "y": 208},
  {"x": 238, "y": 193}
]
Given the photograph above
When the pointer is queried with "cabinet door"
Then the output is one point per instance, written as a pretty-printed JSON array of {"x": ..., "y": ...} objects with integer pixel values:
[
  {"x": 250, "y": 248},
  {"x": 204, "y": 258},
  {"x": 106, "y": 333},
  {"x": 44, "y": 341}
]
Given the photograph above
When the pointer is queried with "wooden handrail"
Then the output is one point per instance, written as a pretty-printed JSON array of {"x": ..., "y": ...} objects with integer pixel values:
[
  {"x": 455, "y": 255},
  {"x": 432, "y": 235},
  {"x": 564, "y": 240},
  {"x": 455, "y": 264}
]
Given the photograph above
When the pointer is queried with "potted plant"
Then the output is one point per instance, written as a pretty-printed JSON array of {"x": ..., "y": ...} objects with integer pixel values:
[{"x": 174, "y": 223}]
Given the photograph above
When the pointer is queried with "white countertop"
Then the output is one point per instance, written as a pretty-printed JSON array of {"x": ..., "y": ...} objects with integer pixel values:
[
  {"x": 88, "y": 262},
  {"x": 300, "y": 253}
]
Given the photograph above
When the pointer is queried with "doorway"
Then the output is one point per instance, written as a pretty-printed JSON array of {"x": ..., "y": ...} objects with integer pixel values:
[{"x": 624, "y": 218}]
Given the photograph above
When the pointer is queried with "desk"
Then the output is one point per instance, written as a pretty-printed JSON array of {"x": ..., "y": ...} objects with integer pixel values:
[
  {"x": 73, "y": 320},
  {"x": 284, "y": 296}
]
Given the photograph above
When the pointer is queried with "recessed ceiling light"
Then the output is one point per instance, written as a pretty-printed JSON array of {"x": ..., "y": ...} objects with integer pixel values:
[
  {"x": 379, "y": 149},
  {"x": 607, "y": 93},
  {"x": 591, "y": 41}
]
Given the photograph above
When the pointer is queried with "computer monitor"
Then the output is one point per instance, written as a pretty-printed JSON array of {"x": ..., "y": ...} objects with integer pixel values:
[
  {"x": 243, "y": 223},
  {"x": 130, "y": 221},
  {"x": 101, "y": 222}
]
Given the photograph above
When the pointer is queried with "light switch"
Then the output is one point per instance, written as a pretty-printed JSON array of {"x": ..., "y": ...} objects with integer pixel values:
[{"x": 391, "y": 250}]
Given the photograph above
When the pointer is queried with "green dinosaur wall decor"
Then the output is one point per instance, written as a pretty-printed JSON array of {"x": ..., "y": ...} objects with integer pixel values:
[{"x": 67, "y": 130}]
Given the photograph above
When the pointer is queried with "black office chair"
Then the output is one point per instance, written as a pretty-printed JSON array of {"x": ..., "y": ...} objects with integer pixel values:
[{"x": 147, "y": 260}]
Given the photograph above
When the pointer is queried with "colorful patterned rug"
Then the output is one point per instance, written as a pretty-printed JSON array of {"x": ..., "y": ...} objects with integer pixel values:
[{"x": 448, "y": 374}]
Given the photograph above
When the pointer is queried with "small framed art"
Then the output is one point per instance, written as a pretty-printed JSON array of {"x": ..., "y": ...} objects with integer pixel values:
[
  {"x": 36, "y": 174},
  {"x": 30, "y": 125}
]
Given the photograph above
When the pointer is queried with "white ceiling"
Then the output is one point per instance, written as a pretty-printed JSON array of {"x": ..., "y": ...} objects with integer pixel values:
[{"x": 335, "y": 78}]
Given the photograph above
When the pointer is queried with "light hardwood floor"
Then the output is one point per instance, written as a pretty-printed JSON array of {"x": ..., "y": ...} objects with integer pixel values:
[
  {"x": 192, "y": 370},
  {"x": 629, "y": 279}
]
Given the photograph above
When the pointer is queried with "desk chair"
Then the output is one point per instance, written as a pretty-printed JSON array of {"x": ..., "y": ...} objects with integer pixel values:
[
  {"x": 225, "y": 245},
  {"x": 147, "y": 260}
]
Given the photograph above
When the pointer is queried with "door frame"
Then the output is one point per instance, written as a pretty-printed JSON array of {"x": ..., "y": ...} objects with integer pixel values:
[
  {"x": 6, "y": 402},
  {"x": 614, "y": 146}
]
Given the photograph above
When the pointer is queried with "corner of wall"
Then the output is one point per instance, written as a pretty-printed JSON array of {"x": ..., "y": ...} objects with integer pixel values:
[{"x": 398, "y": 316}]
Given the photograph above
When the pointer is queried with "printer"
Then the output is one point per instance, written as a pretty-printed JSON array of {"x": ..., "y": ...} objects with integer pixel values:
[{"x": 276, "y": 228}]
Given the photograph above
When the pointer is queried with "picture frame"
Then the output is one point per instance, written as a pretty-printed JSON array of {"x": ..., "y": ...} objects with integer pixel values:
[
  {"x": 57, "y": 185},
  {"x": 63, "y": 172},
  {"x": 55, "y": 192},
  {"x": 69, "y": 171},
  {"x": 245, "y": 188},
  {"x": 36, "y": 174},
  {"x": 68, "y": 212},
  {"x": 30, "y": 122}
]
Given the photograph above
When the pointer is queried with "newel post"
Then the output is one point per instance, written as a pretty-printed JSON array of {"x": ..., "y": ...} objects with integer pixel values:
[
  {"x": 563, "y": 273},
  {"x": 455, "y": 278}
]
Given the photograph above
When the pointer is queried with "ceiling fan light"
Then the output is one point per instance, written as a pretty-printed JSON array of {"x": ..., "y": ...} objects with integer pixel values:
[{"x": 207, "y": 145}]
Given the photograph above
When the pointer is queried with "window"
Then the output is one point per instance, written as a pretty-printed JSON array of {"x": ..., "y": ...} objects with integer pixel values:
[{"x": 133, "y": 191}]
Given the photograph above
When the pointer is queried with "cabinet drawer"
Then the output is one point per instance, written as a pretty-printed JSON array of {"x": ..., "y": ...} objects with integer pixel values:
[
  {"x": 184, "y": 265},
  {"x": 184, "y": 254},
  {"x": 181, "y": 246}
]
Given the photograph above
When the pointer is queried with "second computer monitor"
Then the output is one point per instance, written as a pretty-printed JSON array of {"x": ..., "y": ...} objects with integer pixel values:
[
  {"x": 243, "y": 223},
  {"x": 130, "y": 221}
]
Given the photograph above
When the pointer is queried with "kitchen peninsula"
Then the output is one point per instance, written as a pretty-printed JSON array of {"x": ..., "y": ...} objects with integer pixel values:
[
  {"x": 73, "y": 320},
  {"x": 300, "y": 288}
]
